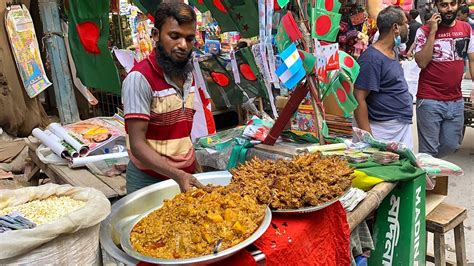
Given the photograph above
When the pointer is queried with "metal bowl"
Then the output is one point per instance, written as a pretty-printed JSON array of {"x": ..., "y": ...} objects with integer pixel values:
[
  {"x": 310, "y": 208},
  {"x": 128, "y": 210}
]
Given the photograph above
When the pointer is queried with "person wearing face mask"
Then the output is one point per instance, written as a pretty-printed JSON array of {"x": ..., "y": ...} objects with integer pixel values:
[
  {"x": 158, "y": 98},
  {"x": 440, "y": 47},
  {"x": 385, "y": 104}
]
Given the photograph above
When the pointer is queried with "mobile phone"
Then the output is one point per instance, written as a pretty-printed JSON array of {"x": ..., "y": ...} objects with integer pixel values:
[{"x": 436, "y": 11}]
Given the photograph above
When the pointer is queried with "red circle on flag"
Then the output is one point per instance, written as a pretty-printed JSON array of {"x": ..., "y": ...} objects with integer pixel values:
[
  {"x": 220, "y": 79},
  {"x": 341, "y": 95},
  {"x": 323, "y": 25},
  {"x": 301, "y": 55},
  {"x": 329, "y": 5},
  {"x": 247, "y": 72},
  {"x": 348, "y": 61},
  {"x": 346, "y": 85},
  {"x": 220, "y": 6}
]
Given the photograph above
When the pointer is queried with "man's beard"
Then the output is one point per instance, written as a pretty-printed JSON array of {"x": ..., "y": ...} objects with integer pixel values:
[
  {"x": 171, "y": 67},
  {"x": 447, "y": 21}
]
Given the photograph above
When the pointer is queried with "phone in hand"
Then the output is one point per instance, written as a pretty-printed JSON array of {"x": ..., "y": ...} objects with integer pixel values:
[{"x": 436, "y": 11}]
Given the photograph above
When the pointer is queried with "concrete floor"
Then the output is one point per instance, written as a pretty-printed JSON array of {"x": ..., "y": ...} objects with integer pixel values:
[{"x": 461, "y": 193}]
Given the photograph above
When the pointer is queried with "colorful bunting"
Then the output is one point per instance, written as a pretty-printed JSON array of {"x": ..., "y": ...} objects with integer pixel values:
[
  {"x": 349, "y": 65},
  {"x": 331, "y": 54}
]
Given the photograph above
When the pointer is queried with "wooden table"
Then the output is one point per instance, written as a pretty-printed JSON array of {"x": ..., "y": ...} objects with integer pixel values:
[{"x": 112, "y": 187}]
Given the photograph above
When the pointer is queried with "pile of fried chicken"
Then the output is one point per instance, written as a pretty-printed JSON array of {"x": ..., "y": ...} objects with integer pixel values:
[{"x": 307, "y": 180}]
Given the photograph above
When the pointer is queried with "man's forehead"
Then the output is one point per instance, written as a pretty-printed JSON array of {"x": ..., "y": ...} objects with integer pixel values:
[{"x": 447, "y": 1}]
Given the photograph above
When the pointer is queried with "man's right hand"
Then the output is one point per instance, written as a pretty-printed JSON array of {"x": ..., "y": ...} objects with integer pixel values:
[
  {"x": 434, "y": 21},
  {"x": 186, "y": 181}
]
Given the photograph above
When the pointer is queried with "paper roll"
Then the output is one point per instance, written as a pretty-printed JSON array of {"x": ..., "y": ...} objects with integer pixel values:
[
  {"x": 59, "y": 131},
  {"x": 82, "y": 161},
  {"x": 52, "y": 143}
]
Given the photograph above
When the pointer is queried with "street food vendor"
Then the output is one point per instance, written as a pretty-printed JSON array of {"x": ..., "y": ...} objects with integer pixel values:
[{"x": 158, "y": 99}]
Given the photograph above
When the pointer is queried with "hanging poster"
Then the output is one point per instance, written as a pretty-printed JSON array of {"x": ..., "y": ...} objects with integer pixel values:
[{"x": 24, "y": 44}]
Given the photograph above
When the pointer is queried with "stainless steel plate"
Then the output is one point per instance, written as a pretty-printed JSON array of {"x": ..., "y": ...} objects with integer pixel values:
[
  {"x": 311, "y": 208},
  {"x": 115, "y": 230},
  {"x": 127, "y": 246}
]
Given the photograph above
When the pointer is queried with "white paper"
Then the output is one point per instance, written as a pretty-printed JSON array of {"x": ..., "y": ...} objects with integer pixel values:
[
  {"x": 51, "y": 143},
  {"x": 82, "y": 161},
  {"x": 59, "y": 131}
]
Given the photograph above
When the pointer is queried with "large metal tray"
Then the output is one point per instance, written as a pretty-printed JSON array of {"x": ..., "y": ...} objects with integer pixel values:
[
  {"x": 311, "y": 208},
  {"x": 127, "y": 246},
  {"x": 128, "y": 209}
]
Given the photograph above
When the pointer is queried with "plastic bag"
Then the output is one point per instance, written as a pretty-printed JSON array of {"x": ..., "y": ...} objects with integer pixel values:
[
  {"x": 14, "y": 243},
  {"x": 435, "y": 167}
]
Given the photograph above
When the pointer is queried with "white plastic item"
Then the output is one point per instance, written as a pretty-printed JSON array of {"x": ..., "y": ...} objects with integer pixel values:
[
  {"x": 59, "y": 131},
  {"x": 21, "y": 242},
  {"x": 51, "y": 143},
  {"x": 82, "y": 161}
]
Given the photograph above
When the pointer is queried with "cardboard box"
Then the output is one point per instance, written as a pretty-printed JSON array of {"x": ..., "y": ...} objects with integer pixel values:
[{"x": 437, "y": 195}]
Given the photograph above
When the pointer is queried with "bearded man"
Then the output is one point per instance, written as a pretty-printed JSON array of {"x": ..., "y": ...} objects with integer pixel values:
[
  {"x": 385, "y": 105},
  {"x": 440, "y": 48},
  {"x": 158, "y": 99}
]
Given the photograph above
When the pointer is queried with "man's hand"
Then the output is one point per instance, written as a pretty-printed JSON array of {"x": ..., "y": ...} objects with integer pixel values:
[
  {"x": 186, "y": 181},
  {"x": 434, "y": 21}
]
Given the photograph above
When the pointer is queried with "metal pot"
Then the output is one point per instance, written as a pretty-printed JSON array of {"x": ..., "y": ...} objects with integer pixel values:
[{"x": 128, "y": 209}]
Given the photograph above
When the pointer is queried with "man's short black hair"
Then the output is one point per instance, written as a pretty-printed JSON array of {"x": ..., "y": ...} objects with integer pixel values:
[
  {"x": 181, "y": 12},
  {"x": 414, "y": 13},
  {"x": 463, "y": 9},
  {"x": 389, "y": 16}
]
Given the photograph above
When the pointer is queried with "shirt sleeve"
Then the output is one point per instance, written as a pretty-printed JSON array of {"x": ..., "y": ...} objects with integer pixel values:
[
  {"x": 420, "y": 40},
  {"x": 470, "y": 48},
  {"x": 136, "y": 96},
  {"x": 370, "y": 79}
]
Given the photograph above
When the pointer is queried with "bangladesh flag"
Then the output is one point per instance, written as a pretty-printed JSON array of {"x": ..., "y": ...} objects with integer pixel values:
[
  {"x": 88, "y": 36},
  {"x": 329, "y": 5},
  {"x": 148, "y": 7},
  {"x": 282, "y": 40},
  {"x": 349, "y": 65},
  {"x": 252, "y": 81},
  {"x": 342, "y": 88},
  {"x": 324, "y": 24},
  {"x": 309, "y": 61},
  {"x": 221, "y": 84},
  {"x": 235, "y": 15},
  {"x": 199, "y": 4}
]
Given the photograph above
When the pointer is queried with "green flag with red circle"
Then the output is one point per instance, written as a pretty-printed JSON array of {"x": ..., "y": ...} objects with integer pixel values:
[
  {"x": 349, "y": 65},
  {"x": 343, "y": 90},
  {"x": 199, "y": 4},
  {"x": 324, "y": 24},
  {"x": 329, "y": 5}
]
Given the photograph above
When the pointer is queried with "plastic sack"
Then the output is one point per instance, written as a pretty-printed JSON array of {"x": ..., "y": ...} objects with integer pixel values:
[
  {"x": 435, "y": 167},
  {"x": 14, "y": 243}
]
